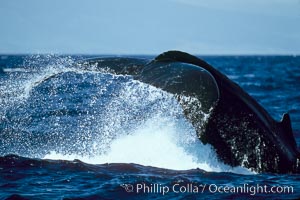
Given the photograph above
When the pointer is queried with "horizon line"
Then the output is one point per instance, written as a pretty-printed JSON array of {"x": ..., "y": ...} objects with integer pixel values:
[{"x": 150, "y": 54}]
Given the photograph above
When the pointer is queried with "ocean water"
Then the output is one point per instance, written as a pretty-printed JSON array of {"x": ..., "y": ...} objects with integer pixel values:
[{"x": 71, "y": 133}]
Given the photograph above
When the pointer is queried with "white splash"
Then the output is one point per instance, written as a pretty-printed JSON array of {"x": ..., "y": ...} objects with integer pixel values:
[
  {"x": 141, "y": 124},
  {"x": 159, "y": 142}
]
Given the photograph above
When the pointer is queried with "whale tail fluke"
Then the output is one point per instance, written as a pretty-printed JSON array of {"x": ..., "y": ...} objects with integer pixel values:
[
  {"x": 180, "y": 56},
  {"x": 287, "y": 126},
  {"x": 236, "y": 129}
]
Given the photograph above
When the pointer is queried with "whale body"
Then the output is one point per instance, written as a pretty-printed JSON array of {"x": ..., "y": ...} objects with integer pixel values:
[{"x": 241, "y": 131}]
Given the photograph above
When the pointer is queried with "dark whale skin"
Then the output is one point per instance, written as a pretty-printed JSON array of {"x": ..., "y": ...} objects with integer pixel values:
[{"x": 240, "y": 130}]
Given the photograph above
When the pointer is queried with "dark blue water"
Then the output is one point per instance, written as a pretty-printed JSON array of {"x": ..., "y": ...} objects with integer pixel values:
[{"x": 71, "y": 133}]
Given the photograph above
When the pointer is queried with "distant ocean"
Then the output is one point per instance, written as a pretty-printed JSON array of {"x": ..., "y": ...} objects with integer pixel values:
[{"x": 68, "y": 133}]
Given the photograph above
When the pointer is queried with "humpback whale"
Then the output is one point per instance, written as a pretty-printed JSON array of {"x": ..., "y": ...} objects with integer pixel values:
[{"x": 238, "y": 127}]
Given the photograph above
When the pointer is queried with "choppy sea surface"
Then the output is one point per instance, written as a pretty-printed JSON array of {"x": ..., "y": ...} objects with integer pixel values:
[{"x": 71, "y": 133}]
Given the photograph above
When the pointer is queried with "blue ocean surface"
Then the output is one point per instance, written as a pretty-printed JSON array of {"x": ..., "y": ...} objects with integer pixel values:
[{"x": 72, "y": 133}]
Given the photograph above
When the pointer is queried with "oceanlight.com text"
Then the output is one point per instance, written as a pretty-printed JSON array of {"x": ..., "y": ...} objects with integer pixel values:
[{"x": 194, "y": 188}]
